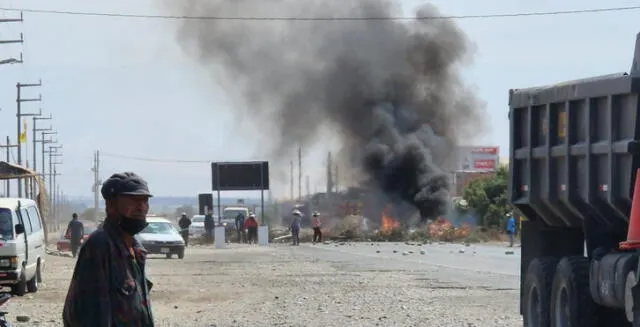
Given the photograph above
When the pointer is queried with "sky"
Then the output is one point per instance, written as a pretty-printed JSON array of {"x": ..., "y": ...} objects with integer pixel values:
[{"x": 124, "y": 86}]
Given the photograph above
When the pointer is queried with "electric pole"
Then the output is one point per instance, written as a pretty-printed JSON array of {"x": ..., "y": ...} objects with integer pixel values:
[
  {"x": 308, "y": 188},
  {"x": 44, "y": 142},
  {"x": 8, "y": 147},
  {"x": 329, "y": 174},
  {"x": 96, "y": 185},
  {"x": 53, "y": 152},
  {"x": 56, "y": 187},
  {"x": 337, "y": 180},
  {"x": 300, "y": 173},
  {"x": 291, "y": 178},
  {"x": 19, "y": 115},
  {"x": 35, "y": 138},
  {"x": 10, "y": 41}
]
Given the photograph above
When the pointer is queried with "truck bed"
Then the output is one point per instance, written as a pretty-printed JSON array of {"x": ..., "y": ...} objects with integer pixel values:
[{"x": 575, "y": 149}]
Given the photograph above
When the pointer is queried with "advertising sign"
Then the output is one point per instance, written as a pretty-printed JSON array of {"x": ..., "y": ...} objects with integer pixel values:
[{"x": 477, "y": 158}]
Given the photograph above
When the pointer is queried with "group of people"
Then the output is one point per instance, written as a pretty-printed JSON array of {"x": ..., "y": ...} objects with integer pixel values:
[
  {"x": 295, "y": 227},
  {"x": 245, "y": 228}
]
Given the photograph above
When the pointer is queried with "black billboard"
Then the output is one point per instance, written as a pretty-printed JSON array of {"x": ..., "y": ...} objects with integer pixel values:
[
  {"x": 240, "y": 176},
  {"x": 205, "y": 203}
]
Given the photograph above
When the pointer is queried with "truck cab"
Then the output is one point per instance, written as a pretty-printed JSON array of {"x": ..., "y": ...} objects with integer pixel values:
[{"x": 229, "y": 215}]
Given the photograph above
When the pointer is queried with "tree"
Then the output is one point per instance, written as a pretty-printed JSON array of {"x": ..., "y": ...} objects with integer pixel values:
[{"x": 488, "y": 198}]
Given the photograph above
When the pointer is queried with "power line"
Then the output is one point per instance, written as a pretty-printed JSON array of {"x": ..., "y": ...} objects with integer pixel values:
[
  {"x": 395, "y": 18},
  {"x": 119, "y": 156}
]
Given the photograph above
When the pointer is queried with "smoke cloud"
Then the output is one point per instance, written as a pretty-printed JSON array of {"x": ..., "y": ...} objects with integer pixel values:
[{"x": 391, "y": 89}]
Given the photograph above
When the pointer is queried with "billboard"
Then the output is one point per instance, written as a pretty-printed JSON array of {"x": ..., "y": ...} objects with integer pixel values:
[
  {"x": 240, "y": 176},
  {"x": 477, "y": 158}
]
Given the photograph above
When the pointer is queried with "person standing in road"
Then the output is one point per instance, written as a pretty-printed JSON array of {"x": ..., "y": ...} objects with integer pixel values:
[
  {"x": 109, "y": 286},
  {"x": 511, "y": 229},
  {"x": 75, "y": 233},
  {"x": 240, "y": 227},
  {"x": 315, "y": 223},
  {"x": 184, "y": 224},
  {"x": 209, "y": 224},
  {"x": 295, "y": 227},
  {"x": 252, "y": 229}
]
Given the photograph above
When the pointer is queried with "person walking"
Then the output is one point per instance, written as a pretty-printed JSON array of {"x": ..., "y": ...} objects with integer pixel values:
[
  {"x": 209, "y": 225},
  {"x": 109, "y": 286},
  {"x": 316, "y": 224},
  {"x": 240, "y": 227},
  {"x": 75, "y": 233},
  {"x": 511, "y": 229},
  {"x": 184, "y": 224},
  {"x": 252, "y": 229},
  {"x": 295, "y": 227}
]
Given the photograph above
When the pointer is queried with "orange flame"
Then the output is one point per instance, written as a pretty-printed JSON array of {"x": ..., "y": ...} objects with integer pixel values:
[{"x": 387, "y": 222}]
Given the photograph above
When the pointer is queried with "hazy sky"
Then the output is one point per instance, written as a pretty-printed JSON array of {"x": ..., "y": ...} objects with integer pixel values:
[{"x": 123, "y": 85}]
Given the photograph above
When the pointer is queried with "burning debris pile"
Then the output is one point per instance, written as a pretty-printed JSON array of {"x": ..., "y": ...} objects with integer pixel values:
[{"x": 391, "y": 89}]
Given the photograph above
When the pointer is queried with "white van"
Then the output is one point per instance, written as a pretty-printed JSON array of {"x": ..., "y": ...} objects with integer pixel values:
[{"x": 22, "y": 245}]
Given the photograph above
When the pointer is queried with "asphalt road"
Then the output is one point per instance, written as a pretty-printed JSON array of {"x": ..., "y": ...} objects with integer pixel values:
[{"x": 477, "y": 265}]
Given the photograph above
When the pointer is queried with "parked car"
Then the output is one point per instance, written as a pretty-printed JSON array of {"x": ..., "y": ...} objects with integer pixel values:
[
  {"x": 64, "y": 243},
  {"x": 22, "y": 245},
  {"x": 197, "y": 226},
  {"x": 161, "y": 236}
]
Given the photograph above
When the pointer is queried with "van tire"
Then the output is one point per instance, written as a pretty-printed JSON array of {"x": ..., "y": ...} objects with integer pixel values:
[
  {"x": 32, "y": 285},
  {"x": 20, "y": 289}
]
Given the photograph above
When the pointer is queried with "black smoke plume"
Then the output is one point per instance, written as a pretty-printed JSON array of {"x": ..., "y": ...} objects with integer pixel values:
[{"x": 390, "y": 88}]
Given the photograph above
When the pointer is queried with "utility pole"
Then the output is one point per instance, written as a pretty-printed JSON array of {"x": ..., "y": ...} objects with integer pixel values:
[
  {"x": 308, "y": 188},
  {"x": 10, "y": 41},
  {"x": 8, "y": 147},
  {"x": 300, "y": 173},
  {"x": 19, "y": 115},
  {"x": 35, "y": 138},
  {"x": 96, "y": 185},
  {"x": 56, "y": 187},
  {"x": 44, "y": 142},
  {"x": 291, "y": 178},
  {"x": 337, "y": 180},
  {"x": 329, "y": 174},
  {"x": 53, "y": 152}
]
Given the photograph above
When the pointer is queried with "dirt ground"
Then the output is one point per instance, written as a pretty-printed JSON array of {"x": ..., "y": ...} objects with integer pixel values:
[{"x": 281, "y": 285}]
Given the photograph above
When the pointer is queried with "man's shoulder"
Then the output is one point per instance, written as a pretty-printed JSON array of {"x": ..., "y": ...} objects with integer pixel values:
[{"x": 99, "y": 239}]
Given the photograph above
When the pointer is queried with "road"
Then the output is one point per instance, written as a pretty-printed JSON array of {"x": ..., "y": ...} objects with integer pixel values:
[{"x": 315, "y": 285}]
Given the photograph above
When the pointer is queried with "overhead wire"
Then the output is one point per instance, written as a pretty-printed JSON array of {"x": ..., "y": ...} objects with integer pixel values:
[
  {"x": 392, "y": 18},
  {"x": 120, "y": 156}
]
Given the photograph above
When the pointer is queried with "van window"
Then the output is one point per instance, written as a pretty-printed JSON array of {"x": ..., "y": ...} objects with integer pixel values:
[
  {"x": 34, "y": 219},
  {"x": 26, "y": 221},
  {"x": 6, "y": 224}
]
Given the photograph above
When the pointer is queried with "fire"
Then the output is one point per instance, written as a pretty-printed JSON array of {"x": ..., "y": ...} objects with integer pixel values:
[{"x": 387, "y": 222}]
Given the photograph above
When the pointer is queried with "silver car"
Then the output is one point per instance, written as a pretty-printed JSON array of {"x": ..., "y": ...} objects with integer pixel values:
[{"x": 161, "y": 237}]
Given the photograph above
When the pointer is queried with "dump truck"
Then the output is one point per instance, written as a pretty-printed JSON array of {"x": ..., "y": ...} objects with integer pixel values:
[{"x": 574, "y": 157}]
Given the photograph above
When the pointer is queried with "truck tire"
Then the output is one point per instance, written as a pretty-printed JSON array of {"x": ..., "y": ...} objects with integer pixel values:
[
  {"x": 537, "y": 292},
  {"x": 571, "y": 301}
]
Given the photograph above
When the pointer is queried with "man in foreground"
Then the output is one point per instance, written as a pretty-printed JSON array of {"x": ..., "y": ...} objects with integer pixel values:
[{"x": 109, "y": 287}]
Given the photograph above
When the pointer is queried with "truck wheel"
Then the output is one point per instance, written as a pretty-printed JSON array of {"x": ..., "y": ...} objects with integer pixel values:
[
  {"x": 537, "y": 292},
  {"x": 571, "y": 302}
]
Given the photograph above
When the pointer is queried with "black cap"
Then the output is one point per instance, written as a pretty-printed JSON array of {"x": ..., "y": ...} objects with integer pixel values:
[{"x": 126, "y": 183}]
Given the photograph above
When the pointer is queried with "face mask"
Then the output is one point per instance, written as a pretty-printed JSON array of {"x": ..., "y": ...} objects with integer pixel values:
[{"x": 132, "y": 226}]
